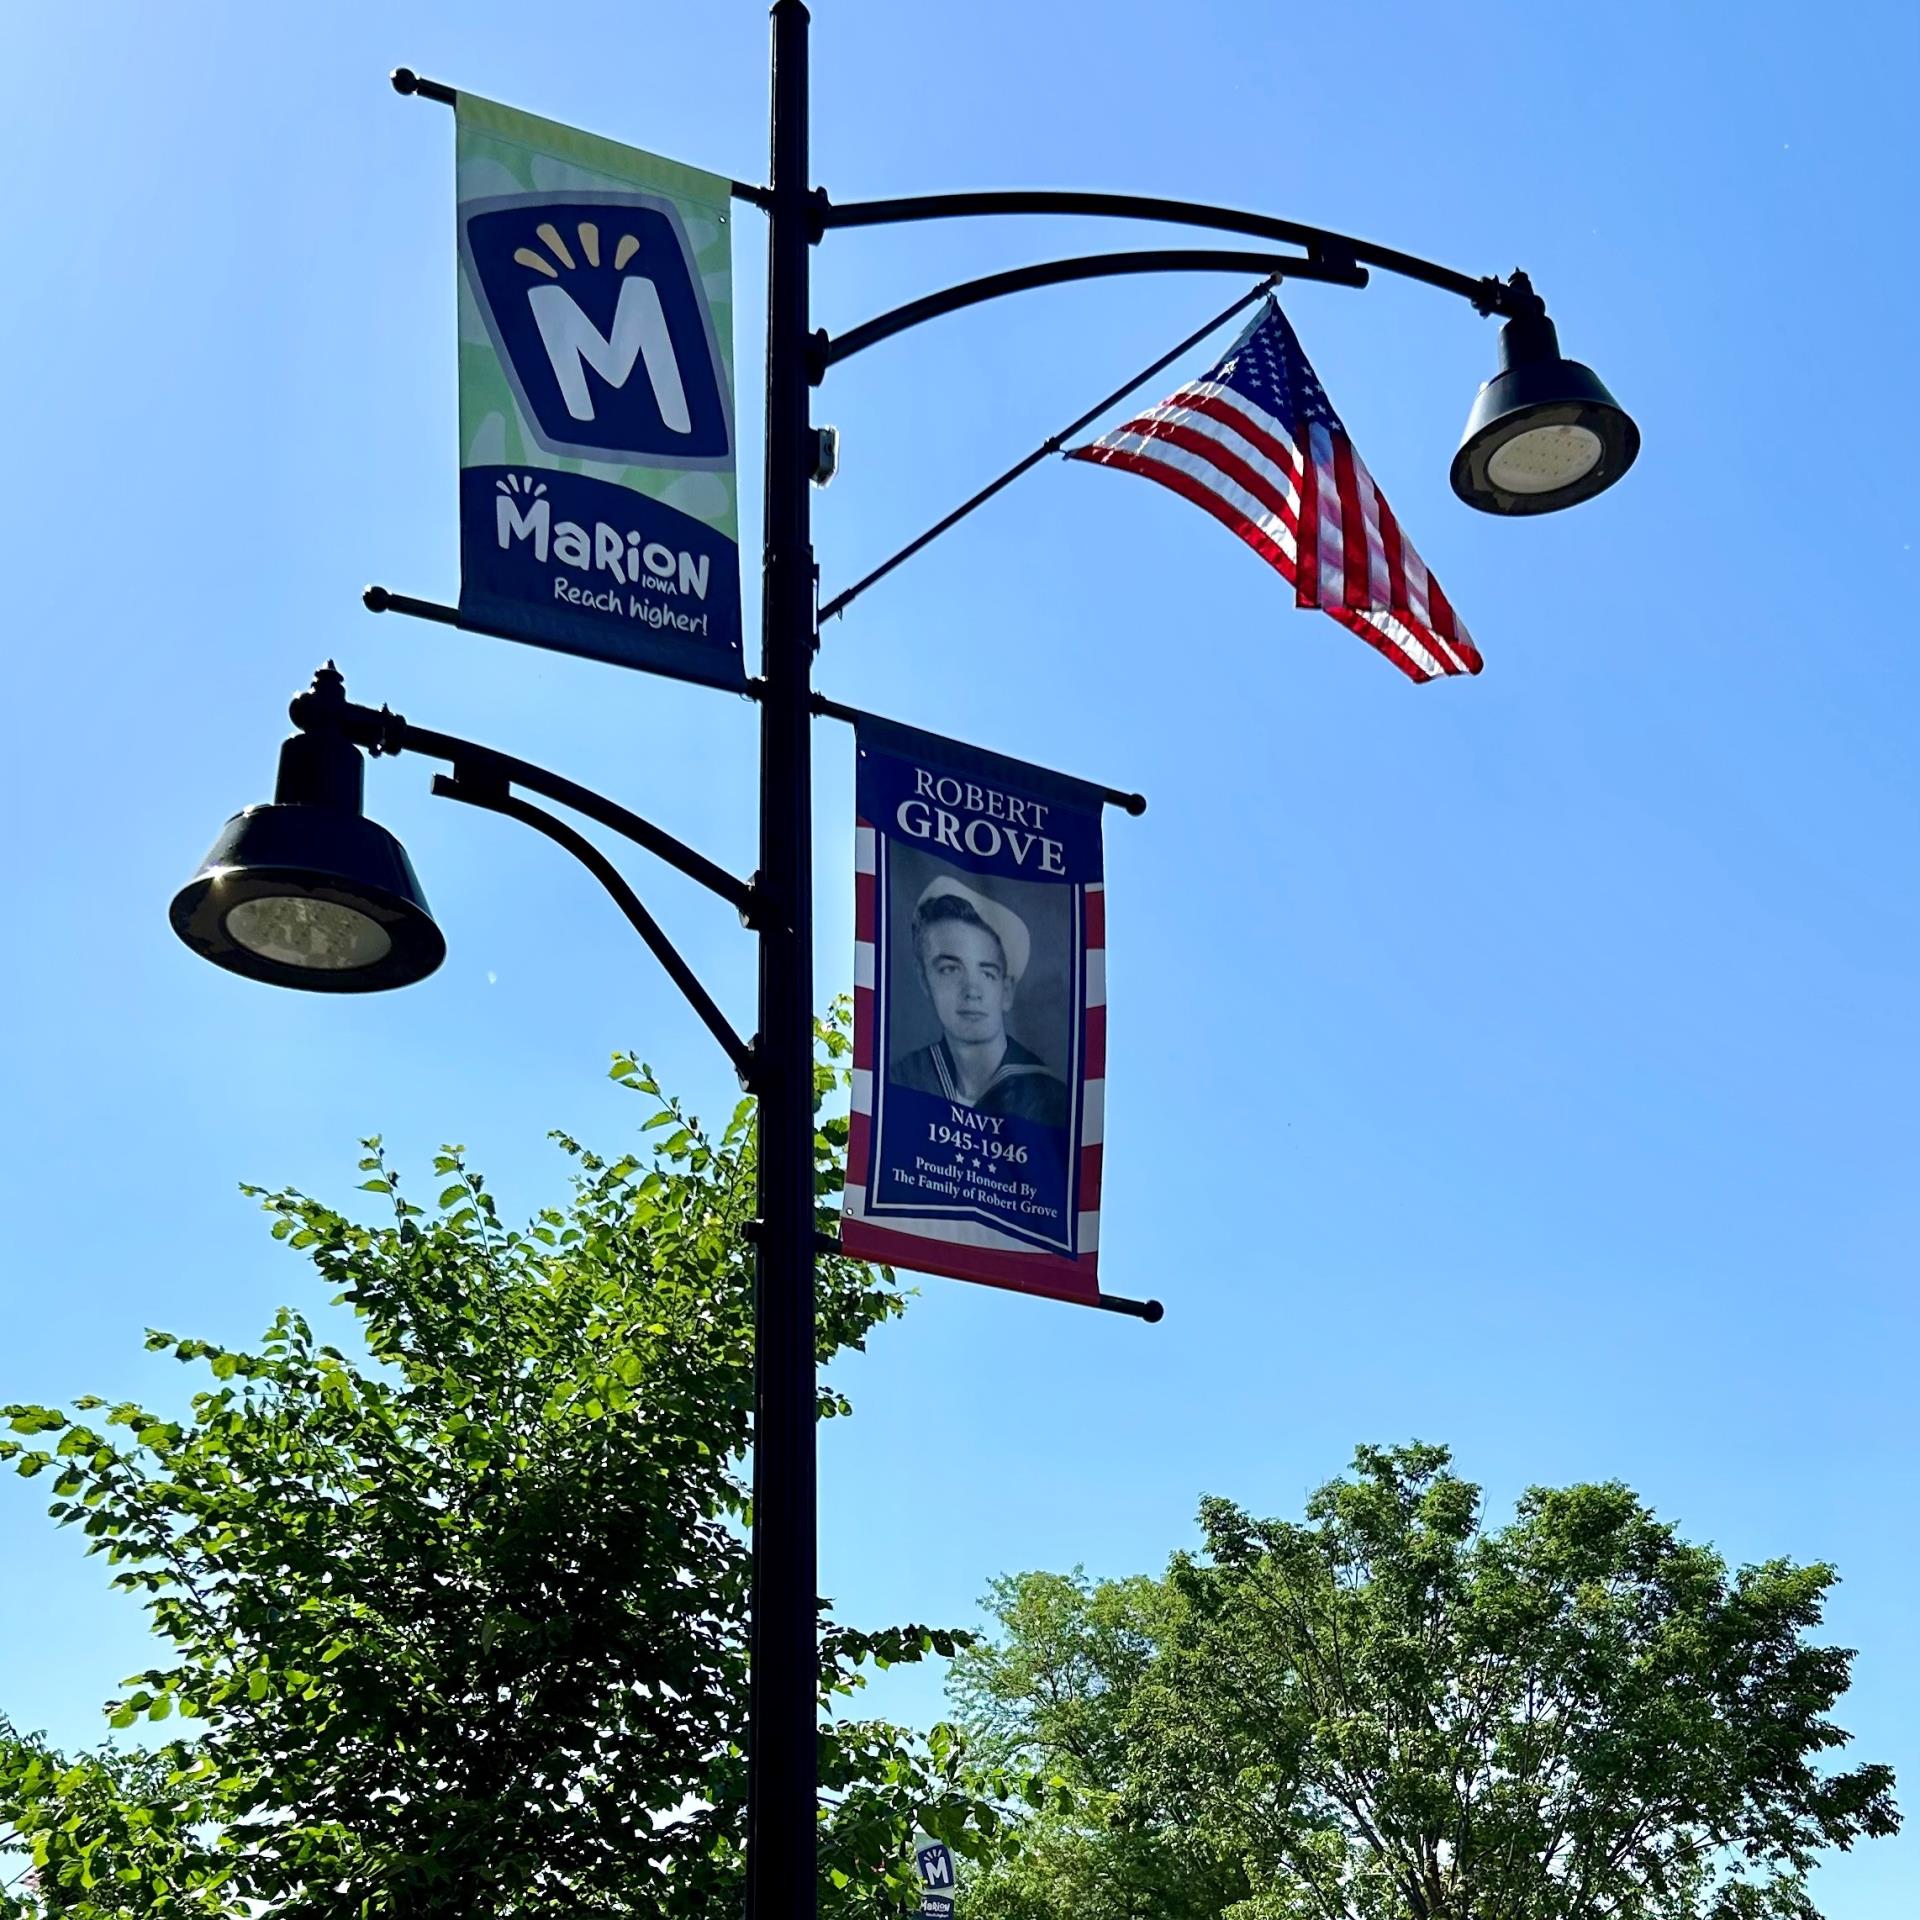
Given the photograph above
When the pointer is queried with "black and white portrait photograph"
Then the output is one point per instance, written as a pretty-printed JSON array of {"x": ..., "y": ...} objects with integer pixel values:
[{"x": 980, "y": 989}]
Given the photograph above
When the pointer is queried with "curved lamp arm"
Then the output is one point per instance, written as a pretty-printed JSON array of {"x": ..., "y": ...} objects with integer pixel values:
[
  {"x": 1488, "y": 294},
  {"x": 380, "y": 730},
  {"x": 483, "y": 777},
  {"x": 829, "y": 349}
]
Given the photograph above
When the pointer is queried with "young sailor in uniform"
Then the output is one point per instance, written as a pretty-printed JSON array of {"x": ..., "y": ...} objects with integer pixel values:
[{"x": 971, "y": 953}]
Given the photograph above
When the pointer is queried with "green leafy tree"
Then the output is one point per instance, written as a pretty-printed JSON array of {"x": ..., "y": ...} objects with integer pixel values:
[
  {"x": 1055, "y": 1694},
  {"x": 1391, "y": 1712},
  {"x": 455, "y": 1624}
]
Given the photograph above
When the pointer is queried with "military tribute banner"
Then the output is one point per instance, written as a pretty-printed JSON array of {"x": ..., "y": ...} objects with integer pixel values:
[
  {"x": 980, "y": 1017},
  {"x": 597, "y": 487}
]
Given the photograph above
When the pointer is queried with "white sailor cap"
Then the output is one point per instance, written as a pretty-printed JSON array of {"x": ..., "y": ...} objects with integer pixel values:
[{"x": 1005, "y": 925}]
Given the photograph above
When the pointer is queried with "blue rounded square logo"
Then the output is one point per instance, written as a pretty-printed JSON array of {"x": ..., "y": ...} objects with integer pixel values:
[{"x": 595, "y": 306}]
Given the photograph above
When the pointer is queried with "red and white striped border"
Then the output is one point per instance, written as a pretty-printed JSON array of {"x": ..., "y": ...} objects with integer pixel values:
[{"x": 967, "y": 1249}]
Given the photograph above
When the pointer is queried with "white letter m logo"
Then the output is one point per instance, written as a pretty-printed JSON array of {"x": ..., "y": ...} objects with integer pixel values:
[{"x": 574, "y": 343}]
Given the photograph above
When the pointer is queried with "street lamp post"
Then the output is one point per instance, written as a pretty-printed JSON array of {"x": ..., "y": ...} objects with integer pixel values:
[
  {"x": 783, "y": 1702},
  {"x": 306, "y": 892}
]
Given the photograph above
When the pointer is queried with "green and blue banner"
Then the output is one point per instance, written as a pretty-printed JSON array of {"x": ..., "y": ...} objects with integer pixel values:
[{"x": 598, "y": 494}]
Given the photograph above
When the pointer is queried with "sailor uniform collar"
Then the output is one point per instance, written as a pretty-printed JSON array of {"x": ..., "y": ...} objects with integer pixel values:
[{"x": 1015, "y": 1064}]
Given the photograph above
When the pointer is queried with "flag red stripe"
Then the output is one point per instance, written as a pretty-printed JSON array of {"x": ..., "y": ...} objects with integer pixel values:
[
  {"x": 1096, "y": 919},
  {"x": 1217, "y": 406},
  {"x": 1354, "y": 560},
  {"x": 1396, "y": 567},
  {"x": 1220, "y": 412},
  {"x": 1217, "y": 453},
  {"x": 1464, "y": 647},
  {"x": 863, "y": 911},
  {"x": 1197, "y": 491},
  {"x": 1355, "y": 622},
  {"x": 863, "y": 1028},
  {"x": 859, "y": 1148},
  {"x": 1095, "y": 1067}
]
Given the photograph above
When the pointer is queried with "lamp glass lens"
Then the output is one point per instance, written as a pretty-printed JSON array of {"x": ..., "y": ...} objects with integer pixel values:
[
  {"x": 1544, "y": 459},
  {"x": 317, "y": 934}
]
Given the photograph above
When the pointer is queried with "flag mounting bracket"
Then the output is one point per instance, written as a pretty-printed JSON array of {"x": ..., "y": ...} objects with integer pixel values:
[{"x": 1052, "y": 444}]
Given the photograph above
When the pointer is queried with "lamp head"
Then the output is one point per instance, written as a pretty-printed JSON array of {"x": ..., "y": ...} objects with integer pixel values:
[
  {"x": 1544, "y": 432},
  {"x": 305, "y": 891}
]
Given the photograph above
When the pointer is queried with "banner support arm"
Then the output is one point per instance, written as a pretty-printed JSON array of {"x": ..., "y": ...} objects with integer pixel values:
[
  {"x": 406, "y": 81},
  {"x": 1134, "y": 803},
  {"x": 1148, "y": 1310}
]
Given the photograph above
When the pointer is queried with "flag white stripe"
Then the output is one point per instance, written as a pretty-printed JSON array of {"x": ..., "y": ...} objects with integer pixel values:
[
  {"x": 1269, "y": 424},
  {"x": 1403, "y": 637},
  {"x": 1283, "y": 480},
  {"x": 1415, "y": 570},
  {"x": 863, "y": 963},
  {"x": 1093, "y": 1114},
  {"x": 1210, "y": 477},
  {"x": 1326, "y": 496},
  {"x": 1456, "y": 663},
  {"x": 1283, "y": 483}
]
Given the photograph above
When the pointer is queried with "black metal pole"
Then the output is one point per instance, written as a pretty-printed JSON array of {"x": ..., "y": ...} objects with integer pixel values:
[{"x": 783, "y": 1751}]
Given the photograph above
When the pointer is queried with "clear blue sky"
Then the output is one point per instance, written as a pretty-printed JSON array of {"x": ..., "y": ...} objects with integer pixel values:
[{"x": 1526, "y": 1062}]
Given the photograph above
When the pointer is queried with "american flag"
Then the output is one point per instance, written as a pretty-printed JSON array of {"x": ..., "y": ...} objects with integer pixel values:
[{"x": 1256, "y": 442}]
